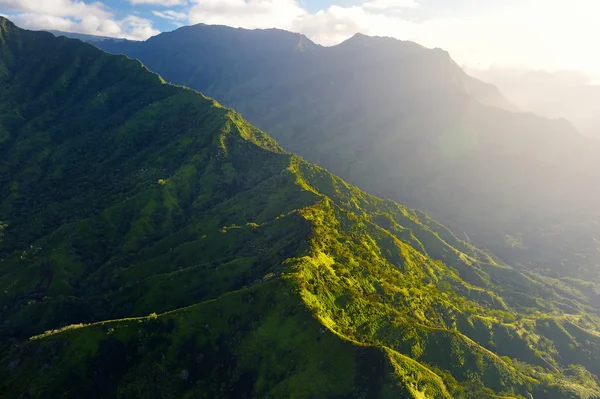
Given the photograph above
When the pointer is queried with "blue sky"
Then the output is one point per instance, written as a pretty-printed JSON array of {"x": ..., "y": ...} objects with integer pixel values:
[
  {"x": 123, "y": 8},
  {"x": 534, "y": 34}
]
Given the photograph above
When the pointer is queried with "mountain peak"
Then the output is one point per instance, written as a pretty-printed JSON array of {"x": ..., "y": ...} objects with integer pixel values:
[
  {"x": 361, "y": 41},
  {"x": 357, "y": 36},
  {"x": 271, "y": 39}
]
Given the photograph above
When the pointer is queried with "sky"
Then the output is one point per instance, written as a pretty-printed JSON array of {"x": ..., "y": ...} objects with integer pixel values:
[{"x": 532, "y": 34}]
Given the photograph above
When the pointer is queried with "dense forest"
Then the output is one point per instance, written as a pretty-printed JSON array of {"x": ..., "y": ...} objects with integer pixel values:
[{"x": 154, "y": 244}]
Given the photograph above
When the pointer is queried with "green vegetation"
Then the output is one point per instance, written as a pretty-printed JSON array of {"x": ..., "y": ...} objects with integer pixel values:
[
  {"x": 159, "y": 246},
  {"x": 404, "y": 122}
]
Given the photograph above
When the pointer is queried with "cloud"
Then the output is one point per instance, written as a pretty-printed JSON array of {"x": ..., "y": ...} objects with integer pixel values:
[
  {"x": 76, "y": 16},
  {"x": 247, "y": 13},
  {"x": 166, "y": 3},
  {"x": 57, "y": 8},
  {"x": 90, "y": 24},
  {"x": 138, "y": 28},
  {"x": 131, "y": 27},
  {"x": 331, "y": 26},
  {"x": 389, "y": 5},
  {"x": 171, "y": 15}
]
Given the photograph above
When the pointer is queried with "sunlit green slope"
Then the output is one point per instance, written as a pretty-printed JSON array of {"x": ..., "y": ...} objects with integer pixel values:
[
  {"x": 405, "y": 122},
  {"x": 191, "y": 257}
]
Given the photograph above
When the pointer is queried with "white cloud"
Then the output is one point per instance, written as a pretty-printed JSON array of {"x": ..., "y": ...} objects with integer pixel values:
[
  {"x": 333, "y": 25},
  {"x": 76, "y": 16},
  {"x": 131, "y": 27},
  {"x": 57, "y": 8},
  {"x": 171, "y": 15},
  {"x": 37, "y": 21},
  {"x": 389, "y": 5},
  {"x": 166, "y": 3},
  {"x": 138, "y": 28},
  {"x": 247, "y": 13}
]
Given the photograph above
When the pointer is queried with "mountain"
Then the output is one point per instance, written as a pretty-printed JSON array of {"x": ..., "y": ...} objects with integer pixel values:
[
  {"x": 83, "y": 36},
  {"x": 157, "y": 245},
  {"x": 405, "y": 122},
  {"x": 560, "y": 94}
]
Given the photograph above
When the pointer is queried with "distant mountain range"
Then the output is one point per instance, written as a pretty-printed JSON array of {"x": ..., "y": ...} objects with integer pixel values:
[
  {"x": 83, "y": 36},
  {"x": 405, "y": 122},
  {"x": 156, "y": 245},
  {"x": 560, "y": 94}
]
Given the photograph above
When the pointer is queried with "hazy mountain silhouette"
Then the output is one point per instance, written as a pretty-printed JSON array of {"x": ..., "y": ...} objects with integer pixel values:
[{"x": 562, "y": 94}]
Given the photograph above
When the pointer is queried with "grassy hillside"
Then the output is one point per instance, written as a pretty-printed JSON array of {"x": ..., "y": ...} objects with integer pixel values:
[
  {"x": 405, "y": 122},
  {"x": 155, "y": 244}
]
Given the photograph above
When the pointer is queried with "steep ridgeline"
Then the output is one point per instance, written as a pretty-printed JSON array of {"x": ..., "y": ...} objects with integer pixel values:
[
  {"x": 156, "y": 245},
  {"x": 405, "y": 122}
]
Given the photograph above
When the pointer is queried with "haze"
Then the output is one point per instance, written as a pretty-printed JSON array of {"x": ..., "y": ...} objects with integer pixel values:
[{"x": 558, "y": 94}]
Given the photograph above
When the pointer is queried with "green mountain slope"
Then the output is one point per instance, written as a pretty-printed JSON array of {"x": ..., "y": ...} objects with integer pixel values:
[
  {"x": 405, "y": 122},
  {"x": 155, "y": 244}
]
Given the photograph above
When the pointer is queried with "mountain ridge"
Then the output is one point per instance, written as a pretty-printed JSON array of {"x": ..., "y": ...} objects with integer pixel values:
[
  {"x": 407, "y": 123},
  {"x": 212, "y": 263}
]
